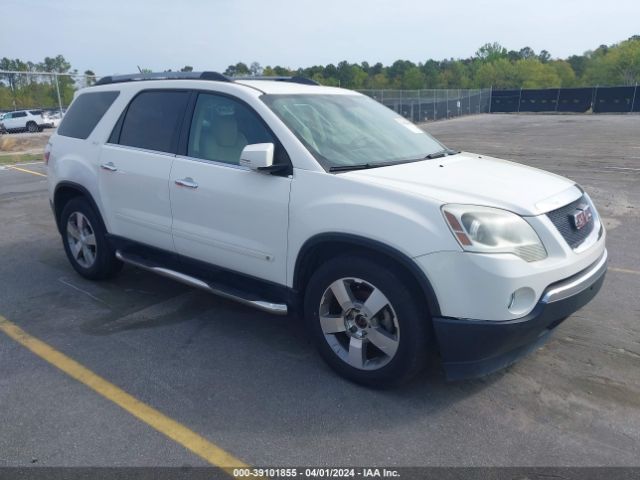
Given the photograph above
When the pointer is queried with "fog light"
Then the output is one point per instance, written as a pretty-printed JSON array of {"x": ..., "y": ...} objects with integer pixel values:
[{"x": 521, "y": 300}]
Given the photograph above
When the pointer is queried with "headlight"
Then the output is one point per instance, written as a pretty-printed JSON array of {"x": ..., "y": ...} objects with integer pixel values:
[{"x": 491, "y": 230}]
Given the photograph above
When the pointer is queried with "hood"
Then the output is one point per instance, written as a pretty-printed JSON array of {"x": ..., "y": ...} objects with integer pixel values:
[{"x": 473, "y": 179}]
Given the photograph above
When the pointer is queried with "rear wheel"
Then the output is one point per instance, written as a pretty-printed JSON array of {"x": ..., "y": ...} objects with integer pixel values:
[
  {"x": 85, "y": 242},
  {"x": 365, "y": 322},
  {"x": 32, "y": 127}
]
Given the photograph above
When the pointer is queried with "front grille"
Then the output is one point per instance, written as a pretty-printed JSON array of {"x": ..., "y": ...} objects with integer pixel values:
[{"x": 561, "y": 218}]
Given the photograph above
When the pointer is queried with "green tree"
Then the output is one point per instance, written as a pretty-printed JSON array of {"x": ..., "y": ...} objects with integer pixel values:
[
  {"x": 379, "y": 80},
  {"x": 65, "y": 83},
  {"x": 431, "y": 70},
  {"x": 237, "y": 70},
  {"x": 89, "y": 78},
  {"x": 617, "y": 65},
  {"x": 498, "y": 74},
  {"x": 412, "y": 79},
  {"x": 532, "y": 73},
  {"x": 256, "y": 69},
  {"x": 490, "y": 52},
  {"x": 526, "y": 53},
  {"x": 564, "y": 72},
  {"x": 578, "y": 64},
  {"x": 453, "y": 74},
  {"x": 544, "y": 56},
  {"x": 281, "y": 71}
]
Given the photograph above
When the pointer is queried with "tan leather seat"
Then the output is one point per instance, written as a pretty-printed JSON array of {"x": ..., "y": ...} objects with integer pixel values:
[{"x": 222, "y": 142}]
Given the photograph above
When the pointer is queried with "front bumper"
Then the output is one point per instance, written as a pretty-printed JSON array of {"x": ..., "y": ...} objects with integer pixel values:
[{"x": 472, "y": 348}]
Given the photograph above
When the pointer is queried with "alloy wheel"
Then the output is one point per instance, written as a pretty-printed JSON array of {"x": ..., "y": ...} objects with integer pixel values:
[
  {"x": 359, "y": 323},
  {"x": 81, "y": 240}
]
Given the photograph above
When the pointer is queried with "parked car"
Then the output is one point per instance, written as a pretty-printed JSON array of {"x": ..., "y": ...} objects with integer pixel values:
[
  {"x": 292, "y": 197},
  {"x": 52, "y": 119},
  {"x": 21, "y": 120}
]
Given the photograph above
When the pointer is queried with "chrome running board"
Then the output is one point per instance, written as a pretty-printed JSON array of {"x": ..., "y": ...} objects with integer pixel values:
[{"x": 273, "y": 308}]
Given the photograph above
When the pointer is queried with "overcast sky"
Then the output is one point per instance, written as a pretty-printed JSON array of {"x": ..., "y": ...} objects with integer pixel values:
[{"x": 115, "y": 36}]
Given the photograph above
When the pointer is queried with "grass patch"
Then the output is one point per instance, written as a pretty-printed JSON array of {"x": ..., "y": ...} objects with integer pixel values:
[{"x": 20, "y": 158}]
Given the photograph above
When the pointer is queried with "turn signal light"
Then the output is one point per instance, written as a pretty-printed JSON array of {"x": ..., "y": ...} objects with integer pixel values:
[{"x": 457, "y": 229}]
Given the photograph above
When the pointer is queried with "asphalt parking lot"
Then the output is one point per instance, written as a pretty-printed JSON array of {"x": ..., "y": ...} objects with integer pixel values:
[{"x": 252, "y": 384}]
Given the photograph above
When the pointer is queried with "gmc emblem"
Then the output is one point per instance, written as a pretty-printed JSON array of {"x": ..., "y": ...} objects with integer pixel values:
[{"x": 581, "y": 216}]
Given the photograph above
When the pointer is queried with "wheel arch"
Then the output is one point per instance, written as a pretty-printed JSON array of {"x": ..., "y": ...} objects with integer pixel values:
[
  {"x": 64, "y": 192},
  {"x": 326, "y": 245}
]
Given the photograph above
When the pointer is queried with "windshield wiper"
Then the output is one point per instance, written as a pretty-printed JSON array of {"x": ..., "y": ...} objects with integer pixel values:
[
  {"x": 357, "y": 166},
  {"x": 365, "y": 166},
  {"x": 440, "y": 154}
]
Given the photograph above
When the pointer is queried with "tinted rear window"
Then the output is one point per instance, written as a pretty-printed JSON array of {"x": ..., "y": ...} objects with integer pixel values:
[
  {"x": 85, "y": 113},
  {"x": 153, "y": 119}
]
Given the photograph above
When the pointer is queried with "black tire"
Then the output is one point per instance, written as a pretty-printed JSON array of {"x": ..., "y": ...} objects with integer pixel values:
[
  {"x": 32, "y": 127},
  {"x": 105, "y": 264},
  {"x": 413, "y": 319}
]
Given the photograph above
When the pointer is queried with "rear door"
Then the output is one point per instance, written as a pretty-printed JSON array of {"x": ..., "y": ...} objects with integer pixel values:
[
  {"x": 223, "y": 213},
  {"x": 135, "y": 166},
  {"x": 17, "y": 120}
]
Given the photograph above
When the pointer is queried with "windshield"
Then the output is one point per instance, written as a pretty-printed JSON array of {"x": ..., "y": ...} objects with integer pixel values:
[{"x": 351, "y": 130}]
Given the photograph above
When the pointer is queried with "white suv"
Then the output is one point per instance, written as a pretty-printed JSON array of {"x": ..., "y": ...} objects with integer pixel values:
[
  {"x": 21, "y": 120},
  {"x": 289, "y": 196}
]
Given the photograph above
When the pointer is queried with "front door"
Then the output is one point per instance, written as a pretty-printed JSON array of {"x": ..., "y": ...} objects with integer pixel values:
[{"x": 225, "y": 214}]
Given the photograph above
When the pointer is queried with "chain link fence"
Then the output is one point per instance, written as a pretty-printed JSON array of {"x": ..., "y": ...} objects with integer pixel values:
[
  {"x": 54, "y": 91},
  {"x": 39, "y": 90},
  {"x": 428, "y": 105}
]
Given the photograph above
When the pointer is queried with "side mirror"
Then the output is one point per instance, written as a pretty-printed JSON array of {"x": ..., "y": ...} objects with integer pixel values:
[{"x": 258, "y": 156}]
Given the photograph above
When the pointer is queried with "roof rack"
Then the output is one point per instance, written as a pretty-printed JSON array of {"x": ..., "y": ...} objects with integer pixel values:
[
  {"x": 134, "y": 77},
  {"x": 293, "y": 79},
  {"x": 215, "y": 76}
]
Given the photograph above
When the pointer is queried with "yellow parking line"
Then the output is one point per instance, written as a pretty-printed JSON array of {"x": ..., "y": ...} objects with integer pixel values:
[
  {"x": 175, "y": 431},
  {"x": 26, "y": 171},
  {"x": 624, "y": 270}
]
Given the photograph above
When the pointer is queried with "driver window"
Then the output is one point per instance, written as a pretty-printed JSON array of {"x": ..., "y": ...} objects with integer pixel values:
[{"x": 221, "y": 127}]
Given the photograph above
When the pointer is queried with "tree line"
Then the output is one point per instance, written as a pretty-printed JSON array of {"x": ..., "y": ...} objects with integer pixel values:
[
  {"x": 491, "y": 66},
  {"x": 19, "y": 90}
]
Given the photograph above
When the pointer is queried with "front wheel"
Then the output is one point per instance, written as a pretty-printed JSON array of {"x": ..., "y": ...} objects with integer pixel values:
[{"x": 365, "y": 321}]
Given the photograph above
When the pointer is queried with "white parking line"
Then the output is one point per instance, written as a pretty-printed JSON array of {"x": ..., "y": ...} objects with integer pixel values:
[{"x": 622, "y": 168}]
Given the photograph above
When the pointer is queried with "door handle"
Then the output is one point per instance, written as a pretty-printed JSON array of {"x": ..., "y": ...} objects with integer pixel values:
[
  {"x": 187, "y": 182},
  {"x": 109, "y": 166}
]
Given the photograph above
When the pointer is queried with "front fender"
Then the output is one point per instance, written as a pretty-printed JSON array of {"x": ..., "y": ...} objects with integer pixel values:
[{"x": 322, "y": 203}]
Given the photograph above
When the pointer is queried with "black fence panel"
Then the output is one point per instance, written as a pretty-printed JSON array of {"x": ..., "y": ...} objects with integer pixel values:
[
  {"x": 579, "y": 100},
  {"x": 428, "y": 105},
  {"x": 575, "y": 99},
  {"x": 539, "y": 100},
  {"x": 505, "y": 101},
  {"x": 614, "y": 99}
]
